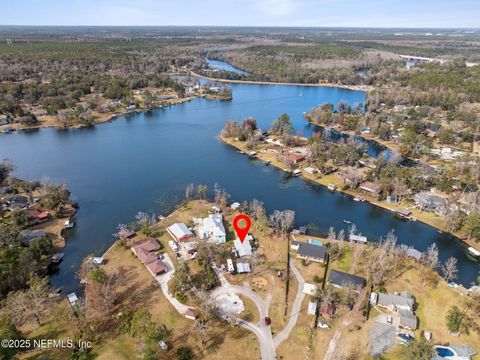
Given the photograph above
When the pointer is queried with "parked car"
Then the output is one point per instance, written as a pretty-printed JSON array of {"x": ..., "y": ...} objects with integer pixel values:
[
  {"x": 405, "y": 337},
  {"x": 322, "y": 325},
  {"x": 389, "y": 319},
  {"x": 267, "y": 321},
  {"x": 172, "y": 245}
]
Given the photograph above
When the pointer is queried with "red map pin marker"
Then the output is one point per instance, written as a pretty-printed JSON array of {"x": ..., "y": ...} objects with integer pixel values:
[{"x": 242, "y": 232}]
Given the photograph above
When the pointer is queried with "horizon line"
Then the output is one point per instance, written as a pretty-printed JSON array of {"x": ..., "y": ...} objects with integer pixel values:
[{"x": 253, "y": 26}]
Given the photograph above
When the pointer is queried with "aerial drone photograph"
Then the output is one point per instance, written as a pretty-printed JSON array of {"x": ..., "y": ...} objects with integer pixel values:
[{"x": 241, "y": 180}]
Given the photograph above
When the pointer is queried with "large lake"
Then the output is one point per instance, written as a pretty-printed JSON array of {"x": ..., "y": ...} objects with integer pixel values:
[{"x": 144, "y": 161}]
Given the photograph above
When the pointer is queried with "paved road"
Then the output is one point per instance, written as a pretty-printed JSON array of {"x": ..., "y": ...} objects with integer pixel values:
[
  {"x": 164, "y": 279},
  {"x": 262, "y": 332},
  {"x": 297, "y": 303}
]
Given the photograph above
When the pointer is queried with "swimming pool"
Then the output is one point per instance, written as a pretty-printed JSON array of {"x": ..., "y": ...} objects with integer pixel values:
[{"x": 444, "y": 351}]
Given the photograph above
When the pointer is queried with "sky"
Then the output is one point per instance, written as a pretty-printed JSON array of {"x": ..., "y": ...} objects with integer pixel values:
[{"x": 309, "y": 13}]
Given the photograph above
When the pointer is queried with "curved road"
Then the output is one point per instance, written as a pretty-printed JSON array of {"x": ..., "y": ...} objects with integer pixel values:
[
  {"x": 262, "y": 332},
  {"x": 297, "y": 303}
]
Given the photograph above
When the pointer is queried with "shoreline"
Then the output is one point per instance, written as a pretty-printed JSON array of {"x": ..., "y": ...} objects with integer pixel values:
[
  {"x": 364, "y": 88},
  {"x": 325, "y": 181},
  {"x": 102, "y": 120},
  {"x": 387, "y": 144}
]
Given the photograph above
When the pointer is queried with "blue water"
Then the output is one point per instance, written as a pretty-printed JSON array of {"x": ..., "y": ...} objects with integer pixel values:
[
  {"x": 144, "y": 161},
  {"x": 220, "y": 65},
  {"x": 444, "y": 352}
]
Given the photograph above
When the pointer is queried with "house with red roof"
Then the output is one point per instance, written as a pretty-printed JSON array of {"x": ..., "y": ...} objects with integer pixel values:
[{"x": 157, "y": 267}]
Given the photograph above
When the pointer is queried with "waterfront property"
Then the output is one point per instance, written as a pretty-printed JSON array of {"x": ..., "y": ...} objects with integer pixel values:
[
  {"x": 243, "y": 248},
  {"x": 430, "y": 201},
  {"x": 27, "y": 236},
  {"x": 394, "y": 301},
  {"x": 180, "y": 232},
  {"x": 146, "y": 252},
  {"x": 157, "y": 131},
  {"x": 371, "y": 188},
  {"x": 341, "y": 279},
  {"x": 311, "y": 252},
  {"x": 211, "y": 228}
]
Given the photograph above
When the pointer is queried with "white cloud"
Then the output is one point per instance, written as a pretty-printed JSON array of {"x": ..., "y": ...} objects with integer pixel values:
[{"x": 276, "y": 7}]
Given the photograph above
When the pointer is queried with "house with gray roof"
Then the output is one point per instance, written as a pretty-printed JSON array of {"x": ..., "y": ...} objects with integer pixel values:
[
  {"x": 396, "y": 302},
  {"x": 429, "y": 201},
  {"x": 28, "y": 236},
  {"x": 341, "y": 279},
  {"x": 16, "y": 201},
  {"x": 408, "y": 320},
  {"x": 312, "y": 252}
]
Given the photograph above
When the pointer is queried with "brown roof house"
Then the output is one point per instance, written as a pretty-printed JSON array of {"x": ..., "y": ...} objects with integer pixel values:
[
  {"x": 157, "y": 267},
  {"x": 295, "y": 157},
  {"x": 371, "y": 188},
  {"x": 145, "y": 250}
]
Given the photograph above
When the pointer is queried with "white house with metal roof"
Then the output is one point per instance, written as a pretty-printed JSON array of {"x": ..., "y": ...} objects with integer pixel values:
[
  {"x": 211, "y": 228},
  {"x": 245, "y": 248}
]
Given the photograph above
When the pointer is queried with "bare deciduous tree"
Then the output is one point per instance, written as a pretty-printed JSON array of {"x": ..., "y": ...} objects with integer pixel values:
[
  {"x": 189, "y": 192},
  {"x": 282, "y": 221},
  {"x": 430, "y": 257},
  {"x": 331, "y": 233},
  {"x": 449, "y": 269},
  {"x": 384, "y": 260}
]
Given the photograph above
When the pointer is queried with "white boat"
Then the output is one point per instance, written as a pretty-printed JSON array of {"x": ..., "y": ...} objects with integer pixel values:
[
  {"x": 69, "y": 224},
  {"x": 473, "y": 252},
  {"x": 57, "y": 258},
  {"x": 356, "y": 199},
  {"x": 347, "y": 221},
  {"x": 331, "y": 187}
]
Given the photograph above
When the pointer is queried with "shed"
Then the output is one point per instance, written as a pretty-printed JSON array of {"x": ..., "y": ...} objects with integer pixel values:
[
  {"x": 310, "y": 289},
  {"x": 72, "y": 298},
  {"x": 191, "y": 314},
  {"x": 243, "y": 267},
  {"x": 358, "y": 238},
  {"x": 312, "y": 307}
]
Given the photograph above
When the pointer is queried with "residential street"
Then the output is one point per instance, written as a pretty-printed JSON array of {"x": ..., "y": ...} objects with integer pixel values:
[
  {"x": 263, "y": 333},
  {"x": 297, "y": 303}
]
